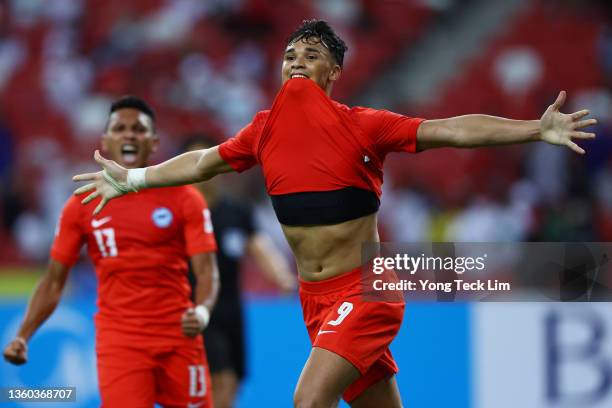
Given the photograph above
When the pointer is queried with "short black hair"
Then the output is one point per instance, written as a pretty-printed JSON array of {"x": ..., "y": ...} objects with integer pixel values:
[
  {"x": 133, "y": 102},
  {"x": 322, "y": 31}
]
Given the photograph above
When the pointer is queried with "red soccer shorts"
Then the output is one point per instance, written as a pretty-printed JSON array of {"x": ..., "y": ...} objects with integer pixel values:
[
  {"x": 140, "y": 376},
  {"x": 339, "y": 320}
]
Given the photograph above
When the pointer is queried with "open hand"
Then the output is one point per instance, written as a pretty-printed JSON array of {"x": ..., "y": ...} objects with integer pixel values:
[
  {"x": 101, "y": 186},
  {"x": 560, "y": 128},
  {"x": 17, "y": 351}
]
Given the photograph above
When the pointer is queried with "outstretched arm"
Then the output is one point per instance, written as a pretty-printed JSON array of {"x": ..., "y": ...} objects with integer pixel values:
[
  {"x": 115, "y": 180},
  {"x": 43, "y": 302},
  {"x": 482, "y": 130}
]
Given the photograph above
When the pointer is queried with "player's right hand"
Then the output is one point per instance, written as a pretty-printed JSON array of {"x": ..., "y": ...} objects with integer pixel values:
[
  {"x": 17, "y": 351},
  {"x": 101, "y": 186}
]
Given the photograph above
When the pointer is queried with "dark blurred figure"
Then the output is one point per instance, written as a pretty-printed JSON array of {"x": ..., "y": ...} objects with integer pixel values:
[{"x": 236, "y": 236}]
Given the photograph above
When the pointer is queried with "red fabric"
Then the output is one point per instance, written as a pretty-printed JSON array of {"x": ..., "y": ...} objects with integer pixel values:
[
  {"x": 170, "y": 376},
  {"x": 308, "y": 142},
  {"x": 139, "y": 247},
  {"x": 364, "y": 334}
]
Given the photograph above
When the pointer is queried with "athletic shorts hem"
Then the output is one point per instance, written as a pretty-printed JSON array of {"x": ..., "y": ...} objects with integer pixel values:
[
  {"x": 359, "y": 387},
  {"x": 350, "y": 358}
]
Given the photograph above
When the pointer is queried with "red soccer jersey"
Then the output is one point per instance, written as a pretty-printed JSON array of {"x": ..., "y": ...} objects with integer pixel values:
[
  {"x": 139, "y": 246},
  {"x": 308, "y": 142}
]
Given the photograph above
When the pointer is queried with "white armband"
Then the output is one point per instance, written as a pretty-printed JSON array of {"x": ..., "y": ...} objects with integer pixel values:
[
  {"x": 136, "y": 178},
  {"x": 202, "y": 314}
]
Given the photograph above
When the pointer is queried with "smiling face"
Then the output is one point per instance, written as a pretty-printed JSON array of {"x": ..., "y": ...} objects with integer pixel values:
[
  {"x": 309, "y": 58},
  {"x": 129, "y": 138}
]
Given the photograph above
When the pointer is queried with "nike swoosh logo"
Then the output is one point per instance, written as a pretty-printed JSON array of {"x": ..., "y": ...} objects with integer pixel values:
[
  {"x": 325, "y": 331},
  {"x": 100, "y": 222}
]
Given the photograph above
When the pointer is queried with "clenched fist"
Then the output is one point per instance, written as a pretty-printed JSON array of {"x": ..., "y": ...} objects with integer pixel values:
[
  {"x": 17, "y": 351},
  {"x": 194, "y": 321}
]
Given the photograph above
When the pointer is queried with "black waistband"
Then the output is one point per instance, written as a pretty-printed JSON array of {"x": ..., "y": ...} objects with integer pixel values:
[{"x": 324, "y": 207}]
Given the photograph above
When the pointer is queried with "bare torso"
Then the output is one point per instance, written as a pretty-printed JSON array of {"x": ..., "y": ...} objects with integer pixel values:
[{"x": 325, "y": 251}]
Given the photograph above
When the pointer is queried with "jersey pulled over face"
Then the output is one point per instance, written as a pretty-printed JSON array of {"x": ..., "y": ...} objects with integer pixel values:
[
  {"x": 129, "y": 138},
  {"x": 308, "y": 142},
  {"x": 139, "y": 246}
]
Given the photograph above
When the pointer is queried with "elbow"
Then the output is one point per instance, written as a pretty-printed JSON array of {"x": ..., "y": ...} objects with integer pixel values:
[{"x": 209, "y": 164}]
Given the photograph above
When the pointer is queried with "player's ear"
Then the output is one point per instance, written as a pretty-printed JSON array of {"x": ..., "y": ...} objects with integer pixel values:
[{"x": 334, "y": 75}]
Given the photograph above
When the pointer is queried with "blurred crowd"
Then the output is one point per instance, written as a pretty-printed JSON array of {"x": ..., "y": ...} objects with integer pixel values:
[
  {"x": 208, "y": 66},
  {"x": 533, "y": 192}
]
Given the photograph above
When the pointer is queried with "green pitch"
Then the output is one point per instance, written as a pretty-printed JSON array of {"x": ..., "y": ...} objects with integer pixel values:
[{"x": 18, "y": 282}]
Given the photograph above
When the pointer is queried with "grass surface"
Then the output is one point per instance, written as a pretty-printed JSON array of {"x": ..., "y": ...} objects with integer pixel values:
[{"x": 16, "y": 282}]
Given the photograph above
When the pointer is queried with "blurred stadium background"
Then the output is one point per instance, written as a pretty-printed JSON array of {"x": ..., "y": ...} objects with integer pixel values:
[{"x": 208, "y": 66}]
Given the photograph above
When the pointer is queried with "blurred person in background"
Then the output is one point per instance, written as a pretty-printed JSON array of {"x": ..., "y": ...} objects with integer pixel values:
[
  {"x": 322, "y": 163},
  {"x": 147, "y": 343},
  {"x": 237, "y": 236}
]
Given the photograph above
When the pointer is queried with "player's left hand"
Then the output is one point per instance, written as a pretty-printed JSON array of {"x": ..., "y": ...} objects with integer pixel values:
[
  {"x": 560, "y": 128},
  {"x": 191, "y": 324}
]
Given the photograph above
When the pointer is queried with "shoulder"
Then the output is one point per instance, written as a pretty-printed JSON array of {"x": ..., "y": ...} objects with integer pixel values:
[
  {"x": 73, "y": 204},
  {"x": 260, "y": 118},
  {"x": 371, "y": 117},
  {"x": 341, "y": 106},
  {"x": 74, "y": 200},
  {"x": 368, "y": 119},
  {"x": 74, "y": 212},
  {"x": 251, "y": 129},
  {"x": 365, "y": 112},
  {"x": 261, "y": 115}
]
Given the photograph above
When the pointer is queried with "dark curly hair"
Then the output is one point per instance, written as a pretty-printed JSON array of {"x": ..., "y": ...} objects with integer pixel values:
[{"x": 322, "y": 32}]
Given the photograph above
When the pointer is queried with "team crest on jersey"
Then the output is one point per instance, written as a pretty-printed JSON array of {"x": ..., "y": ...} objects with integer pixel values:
[{"x": 162, "y": 217}]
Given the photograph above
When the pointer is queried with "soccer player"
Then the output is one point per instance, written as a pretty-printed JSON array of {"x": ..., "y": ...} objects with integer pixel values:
[
  {"x": 322, "y": 163},
  {"x": 147, "y": 329},
  {"x": 237, "y": 236}
]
